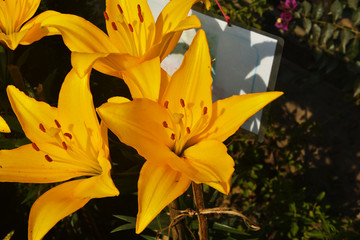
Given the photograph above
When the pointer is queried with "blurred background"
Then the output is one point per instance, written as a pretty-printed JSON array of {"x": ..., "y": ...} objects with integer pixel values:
[{"x": 301, "y": 182}]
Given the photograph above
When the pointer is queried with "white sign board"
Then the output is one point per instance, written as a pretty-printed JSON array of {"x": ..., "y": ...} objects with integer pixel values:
[{"x": 244, "y": 58}]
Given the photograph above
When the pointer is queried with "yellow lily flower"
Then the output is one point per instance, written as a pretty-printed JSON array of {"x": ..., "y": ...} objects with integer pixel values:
[
  {"x": 133, "y": 35},
  {"x": 14, "y": 28},
  {"x": 181, "y": 135},
  {"x": 67, "y": 142},
  {"x": 3, "y": 126}
]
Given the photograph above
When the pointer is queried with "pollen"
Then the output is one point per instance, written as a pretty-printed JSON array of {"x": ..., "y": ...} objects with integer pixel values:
[
  {"x": 68, "y": 135},
  {"x": 48, "y": 158},
  {"x": 166, "y": 104},
  {"x": 165, "y": 125},
  {"x": 204, "y": 110},
  {"x": 120, "y": 9},
  {"x": 113, "y": 24},
  {"x": 64, "y": 145},
  {"x": 35, "y": 147},
  {"x": 188, "y": 130},
  {"x": 182, "y": 102},
  {"x": 42, "y": 128},
  {"x": 130, "y": 28},
  {"x": 139, "y": 13},
  {"x": 57, "y": 123},
  {"x": 106, "y": 16},
  {"x": 172, "y": 136}
]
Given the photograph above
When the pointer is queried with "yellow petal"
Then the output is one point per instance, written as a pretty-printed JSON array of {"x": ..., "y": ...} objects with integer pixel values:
[
  {"x": 213, "y": 164},
  {"x": 3, "y": 126},
  {"x": 83, "y": 62},
  {"x": 132, "y": 32},
  {"x": 31, "y": 114},
  {"x": 53, "y": 206},
  {"x": 192, "y": 82},
  {"x": 79, "y": 34},
  {"x": 144, "y": 79},
  {"x": 230, "y": 113},
  {"x": 158, "y": 186},
  {"x": 118, "y": 100},
  {"x": 25, "y": 164},
  {"x": 140, "y": 124}
]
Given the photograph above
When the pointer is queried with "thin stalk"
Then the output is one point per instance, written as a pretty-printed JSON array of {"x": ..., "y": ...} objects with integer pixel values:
[
  {"x": 177, "y": 231},
  {"x": 200, "y": 205}
]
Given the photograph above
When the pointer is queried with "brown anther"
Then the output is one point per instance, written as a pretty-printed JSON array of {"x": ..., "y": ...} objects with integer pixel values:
[
  {"x": 57, "y": 123},
  {"x": 172, "y": 136},
  {"x": 166, "y": 104},
  {"x": 35, "y": 146},
  {"x": 106, "y": 16},
  {"x": 68, "y": 135},
  {"x": 64, "y": 145},
  {"x": 205, "y": 110},
  {"x": 188, "y": 130},
  {"x": 139, "y": 8},
  {"x": 139, "y": 13},
  {"x": 42, "y": 128},
  {"x": 113, "y": 24},
  {"x": 48, "y": 158},
  {"x": 182, "y": 102},
  {"x": 130, "y": 28},
  {"x": 120, "y": 9},
  {"x": 165, "y": 124}
]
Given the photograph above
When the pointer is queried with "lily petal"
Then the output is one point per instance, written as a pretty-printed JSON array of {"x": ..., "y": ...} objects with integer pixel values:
[
  {"x": 25, "y": 164},
  {"x": 31, "y": 114},
  {"x": 213, "y": 164},
  {"x": 53, "y": 206},
  {"x": 3, "y": 126},
  {"x": 230, "y": 113},
  {"x": 144, "y": 79},
  {"x": 158, "y": 186},
  {"x": 83, "y": 62},
  {"x": 192, "y": 82},
  {"x": 140, "y": 124}
]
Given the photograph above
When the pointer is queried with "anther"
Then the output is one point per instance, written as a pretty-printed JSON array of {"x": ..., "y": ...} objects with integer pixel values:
[
  {"x": 114, "y": 26},
  {"x": 35, "y": 146},
  {"x": 57, "y": 123},
  {"x": 165, "y": 124},
  {"x": 68, "y": 135},
  {"x": 204, "y": 110},
  {"x": 188, "y": 130},
  {"x": 172, "y": 136},
  {"x": 64, "y": 145},
  {"x": 106, "y": 16},
  {"x": 131, "y": 28},
  {"x": 139, "y": 13},
  {"x": 120, "y": 9},
  {"x": 166, "y": 104},
  {"x": 42, "y": 128},
  {"x": 182, "y": 102},
  {"x": 48, "y": 158}
]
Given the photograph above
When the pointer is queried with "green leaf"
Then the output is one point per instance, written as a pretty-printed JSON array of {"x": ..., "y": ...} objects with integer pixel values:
[
  {"x": 327, "y": 33},
  {"x": 336, "y": 10},
  {"x": 126, "y": 226},
  {"x": 353, "y": 4},
  {"x": 316, "y": 32},
  {"x": 126, "y": 218},
  {"x": 353, "y": 49},
  {"x": 357, "y": 87},
  {"x": 307, "y": 24},
  {"x": 307, "y": 7},
  {"x": 318, "y": 11},
  {"x": 226, "y": 228},
  {"x": 355, "y": 18},
  {"x": 345, "y": 37},
  {"x": 148, "y": 237},
  {"x": 315, "y": 234},
  {"x": 294, "y": 228}
]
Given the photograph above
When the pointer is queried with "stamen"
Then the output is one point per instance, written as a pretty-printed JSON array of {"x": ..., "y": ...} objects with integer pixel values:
[
  {"x": 114, "y": 26},
  {"x": 172, "y": 136},
  {"x": 139, "y": 13},
  {"x": 68, "y": 135},
  {"x": 188, "y": 130},
  {"x": 57, "y": 123},
  {"x": 64, "y": 145},
  {"x": 41, "y": 126},
  {"x": 182, "y": 102},
  {"x": 120, "y": 9},
  {"x": 165, "y": 124},
  {"x": 131, "y": 28},
  {"x": 166, "y": 104},
  {"x": 35, "y": 146},
  {"x": 48, "y": 158},
  {"x": 106, "y": 16},
  {"x": 204, "y": 110}
]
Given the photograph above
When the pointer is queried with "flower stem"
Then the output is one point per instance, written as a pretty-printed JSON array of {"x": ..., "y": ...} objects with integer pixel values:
[
  {"x": 177, "y": 231},
  {"x": 200, "y": 205}
]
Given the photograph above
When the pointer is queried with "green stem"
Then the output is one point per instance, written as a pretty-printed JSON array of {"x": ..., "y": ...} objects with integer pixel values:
[{"x": 200, "y": 205}]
